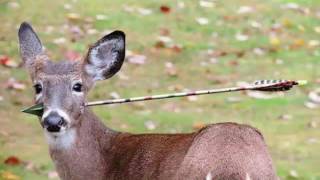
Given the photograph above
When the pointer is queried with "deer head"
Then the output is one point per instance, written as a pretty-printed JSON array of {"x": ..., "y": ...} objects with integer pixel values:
[{"x": 62, "y": 86}]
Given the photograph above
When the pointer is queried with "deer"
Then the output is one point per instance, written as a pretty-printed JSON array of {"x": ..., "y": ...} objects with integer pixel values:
[{"x": 83, "y": 148}]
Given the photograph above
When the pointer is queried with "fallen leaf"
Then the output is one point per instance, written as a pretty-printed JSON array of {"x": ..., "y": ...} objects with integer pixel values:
[
  {"x": 7, "y": 175},
  {"x": 293, "y": 6},
  {"x": 293, "y": 174},
  {"x": 313, "y": 124},
  {"x": 164, "y": 31},
  {"x": 298, "y": 43},
  {"x": 314, "y": 96},
  {"x": 53, "y": 175},
  {"x": 144, "y": 11},
  {"x": 285, "y": 117},
  {"x": 12, "y": 161},
  {"x": 128, "y": 8},
  {"x": 73, "y": 17},
  {"x": 14, "y": 84},
  {"x": 92, "y": 31},
  {"x": 165, "y": 9},
  {"x": 124, "y": 126},
  {"x": 139, "y": 105},
  {"x": 255, "y": 24},
  {"x": 13, "y": 5},
  {"x": 206, "y": 4},
  {"x": 312, "y": 140},
  {"x": 241, "y": 37},
  {"x": 159, "y": 44},
  {"x": 171, "y": 69},
  {"x": 180, "y": 5},
  {"x": 259, "y": 51},
  {"x": 202, "y": 20},
  {"x": 245, "y": 10},
  {"x": 259, "y": 95},
  {"x": 49, "y": 29},
  {"x": 286, "y": 23},
  {"x": 233, "y": 63},
  {"x": 198, "y": 125},
  {"x": 176, "y": 87},
  {"x": 313, "y": 43},
  {"x": 213, "y": 60},
  {"x": 218, "y": 53},
  {"x": 123, "y": 76},
  {"x": 137, "y": 59},
  {"x": 72, "y": 55},
  {"x": 60, "y": 41},
  {"x": 150, "y": 125},
  {"x": 114, "y": 95},
  {"x": 234, "y": 99},
  {"x": 171, "y": 107},
  {"x": 311, "y": 105},
  {"x": 177, "y": 48},
  {"x": 7, "y": 62},
  {"x": 301, "y": 28},
  {"x": 317, "y": 29},
  {"x": 279, "y": 61},
  {"x": 165, "y": 39},
  {"x": 101, "y": 17},
  {"x": 67, "y": 6},
  {"x": 192, "y": 98},
  {"x": 274, "y": 41},
  {"x": 217, "y": 79}
]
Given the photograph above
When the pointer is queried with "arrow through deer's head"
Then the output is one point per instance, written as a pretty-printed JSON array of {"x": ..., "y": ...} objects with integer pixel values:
[{"x": 62, "y": 86}]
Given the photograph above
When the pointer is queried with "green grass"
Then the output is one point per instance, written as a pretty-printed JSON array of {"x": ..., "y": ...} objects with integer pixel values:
[{"x": 289, "y": 140}]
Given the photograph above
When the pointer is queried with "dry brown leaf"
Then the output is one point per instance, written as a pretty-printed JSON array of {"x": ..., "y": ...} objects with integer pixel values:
[
  {"x": 12, "y": 161},
  {"x": 198, "y": 125},
  {"x": 14, "y": 84},
  {"x": 7, "y": 62},
  {"x": 7, "y": 175},
  {"x": 165, "y": 9}
]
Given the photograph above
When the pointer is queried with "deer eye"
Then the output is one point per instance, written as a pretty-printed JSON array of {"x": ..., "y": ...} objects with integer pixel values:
[
  {"x": 37, "y": 88},
  {"x": 77, "y": 87}
]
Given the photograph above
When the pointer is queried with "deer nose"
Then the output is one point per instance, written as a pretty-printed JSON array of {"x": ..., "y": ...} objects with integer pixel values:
[{"x": 53, "y": 122}]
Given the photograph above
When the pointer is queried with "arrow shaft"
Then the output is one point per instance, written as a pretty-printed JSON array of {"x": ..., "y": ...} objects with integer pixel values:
[{"x": 263, "y": 87}]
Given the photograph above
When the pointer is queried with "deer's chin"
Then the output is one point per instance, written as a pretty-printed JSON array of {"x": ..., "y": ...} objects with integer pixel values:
[
  {"x": 63, "y": 139},
  {"x": 61, "y": 132}
]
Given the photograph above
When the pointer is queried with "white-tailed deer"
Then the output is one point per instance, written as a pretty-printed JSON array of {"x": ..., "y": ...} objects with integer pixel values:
[{"x": 83, "y": 148}]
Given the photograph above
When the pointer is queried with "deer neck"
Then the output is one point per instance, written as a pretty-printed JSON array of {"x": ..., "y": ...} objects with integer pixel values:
[{"x": 89, "y": 145}]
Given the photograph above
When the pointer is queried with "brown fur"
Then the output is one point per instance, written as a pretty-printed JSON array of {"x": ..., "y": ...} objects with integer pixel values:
[{"x": 225, "y": 151}]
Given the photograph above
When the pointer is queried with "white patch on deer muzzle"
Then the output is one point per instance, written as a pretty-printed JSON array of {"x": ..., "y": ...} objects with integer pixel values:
[
  {"x": 248, "y": 176},
  {"x": 63, "y": 139},
  {"x": 209, "y": 176}
]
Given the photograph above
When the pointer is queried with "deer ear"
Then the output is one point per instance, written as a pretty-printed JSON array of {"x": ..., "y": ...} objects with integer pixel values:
[
  {"x": 106, "y": 56},
  {"x": 30, "y": 45}
]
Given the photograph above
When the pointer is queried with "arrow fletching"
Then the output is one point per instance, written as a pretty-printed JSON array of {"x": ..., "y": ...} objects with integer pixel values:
[{"x": 275, "y": 85}]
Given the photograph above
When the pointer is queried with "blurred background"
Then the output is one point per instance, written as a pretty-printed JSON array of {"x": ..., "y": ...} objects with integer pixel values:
[{"x": 173, "y": 46}]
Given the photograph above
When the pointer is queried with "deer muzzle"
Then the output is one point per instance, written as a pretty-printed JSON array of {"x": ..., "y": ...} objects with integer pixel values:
[{"x": 53, "y": 122}]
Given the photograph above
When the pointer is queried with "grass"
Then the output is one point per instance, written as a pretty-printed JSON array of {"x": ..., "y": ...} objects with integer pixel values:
[{"x": 289, "y": 140}]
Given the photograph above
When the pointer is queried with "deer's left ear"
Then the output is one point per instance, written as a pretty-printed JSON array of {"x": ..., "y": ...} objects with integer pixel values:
[{"x": 105, "y": 57}]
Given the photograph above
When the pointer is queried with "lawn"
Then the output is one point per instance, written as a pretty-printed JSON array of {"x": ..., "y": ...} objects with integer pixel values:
[{"x": 173, "y": 46}]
